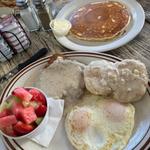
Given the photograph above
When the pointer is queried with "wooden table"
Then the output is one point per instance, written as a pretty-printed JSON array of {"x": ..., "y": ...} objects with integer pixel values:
[{"x": 139, "y": 48}]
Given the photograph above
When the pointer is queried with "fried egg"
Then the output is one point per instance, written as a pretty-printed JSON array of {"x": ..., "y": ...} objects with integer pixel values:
[{"x": 100, "y": 125}]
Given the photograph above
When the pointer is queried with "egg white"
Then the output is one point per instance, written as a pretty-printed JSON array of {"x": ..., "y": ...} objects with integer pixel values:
[{"x": 100, "y": 125}]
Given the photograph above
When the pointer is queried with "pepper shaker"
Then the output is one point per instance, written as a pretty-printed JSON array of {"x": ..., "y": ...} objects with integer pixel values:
[{"x": 42, "y": 14}]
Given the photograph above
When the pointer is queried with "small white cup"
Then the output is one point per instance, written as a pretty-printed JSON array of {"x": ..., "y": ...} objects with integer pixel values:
[
  {"x": 39, "y": 128},
  {"x": 60, "y": 27}
]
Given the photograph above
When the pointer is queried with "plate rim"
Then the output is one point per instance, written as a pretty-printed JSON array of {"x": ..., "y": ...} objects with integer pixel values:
[
  {"x": 134, "y": 31},
  {"x": 45, "y": 59}
]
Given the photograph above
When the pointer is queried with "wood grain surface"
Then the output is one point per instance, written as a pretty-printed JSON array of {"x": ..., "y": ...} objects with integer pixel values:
[{"x": 139, "y": 48}]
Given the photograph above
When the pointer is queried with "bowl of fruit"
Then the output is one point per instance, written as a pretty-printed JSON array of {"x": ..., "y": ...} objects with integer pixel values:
[{"x": 24, "y": 113}]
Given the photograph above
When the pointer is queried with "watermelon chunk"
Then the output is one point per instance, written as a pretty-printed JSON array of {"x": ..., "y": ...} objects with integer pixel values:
[
  {"x": 16, "y": 109},
  {"x": 4, "y": 113},
  {"x": 22, "y": 94},
  {"x": 28, "y": 115},
  {"x": 41, "y": 110},
  {"x": 9, "y": 131},
  {"x": 37, "y": 96},
  {"x": 7, "y": 121},
  {"x": 22, "y": 128}
]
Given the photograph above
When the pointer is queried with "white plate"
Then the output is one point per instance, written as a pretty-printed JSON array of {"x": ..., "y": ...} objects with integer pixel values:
[
  {"x": 140, "y": 137},
  {"x": 135, "y": 26}
]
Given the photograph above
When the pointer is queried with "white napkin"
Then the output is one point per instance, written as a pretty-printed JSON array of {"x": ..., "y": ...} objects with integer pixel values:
[{"x": 56, "y": 108}]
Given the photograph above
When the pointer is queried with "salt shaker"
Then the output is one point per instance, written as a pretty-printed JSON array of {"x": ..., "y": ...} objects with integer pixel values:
[
  {"x": 28, "y": 15},
  {"x": 42, "y": 14}
]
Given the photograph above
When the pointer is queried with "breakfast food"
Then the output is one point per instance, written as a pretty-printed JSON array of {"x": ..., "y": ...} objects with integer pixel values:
[
  {"x": 99, "y": 76},
  {"x": 22, "y": 112},
  {"x": 132, "y": 82},
  {"x": 125, "y": 81},
  {"x": 94, "y": 120},
  {"x": 65, "y": 79},
  {"x": 100, "y": 21},
  {"x": 100, "y": 125}
]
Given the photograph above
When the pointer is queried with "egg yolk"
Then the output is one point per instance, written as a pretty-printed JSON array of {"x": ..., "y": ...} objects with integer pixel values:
[
  {"x": 80, "y": 120},
  {"x": 115, "y": 111}
]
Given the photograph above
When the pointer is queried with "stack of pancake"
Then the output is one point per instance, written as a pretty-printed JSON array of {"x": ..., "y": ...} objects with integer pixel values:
[{"x": 100, "y": 21}]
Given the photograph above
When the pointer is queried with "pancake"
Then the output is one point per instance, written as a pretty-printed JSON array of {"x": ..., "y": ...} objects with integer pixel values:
[{"x": 99, "y": 21}]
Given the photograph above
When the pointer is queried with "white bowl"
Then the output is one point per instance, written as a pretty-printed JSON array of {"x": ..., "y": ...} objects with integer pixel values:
[{"x": 39, "y": 128}]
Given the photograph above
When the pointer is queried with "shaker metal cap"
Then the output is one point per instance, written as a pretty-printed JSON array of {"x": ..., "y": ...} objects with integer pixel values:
[
  {"x": 38, "y": 2},
  {"x": 21, "y": 3}
]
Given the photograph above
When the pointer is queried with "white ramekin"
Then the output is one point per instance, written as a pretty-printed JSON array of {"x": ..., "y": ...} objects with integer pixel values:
[
  {"x": 39, "y": 128},
  {"x": 62, "y": 31}
]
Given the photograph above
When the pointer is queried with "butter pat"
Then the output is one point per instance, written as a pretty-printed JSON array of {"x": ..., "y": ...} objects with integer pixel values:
[{"x": 60, "y": 27}]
